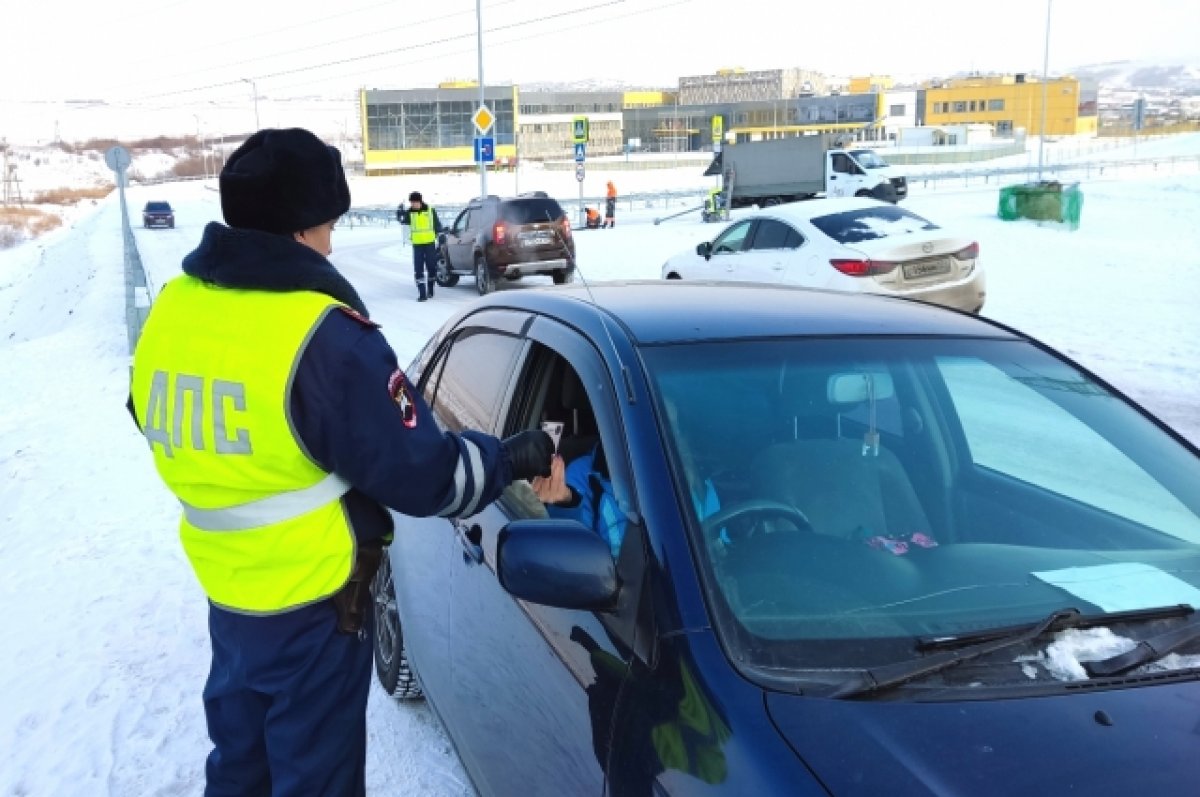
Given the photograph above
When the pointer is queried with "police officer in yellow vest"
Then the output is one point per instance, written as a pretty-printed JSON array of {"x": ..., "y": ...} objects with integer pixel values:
[
  {"x": 424, "y": 228},
  {"x": 278, "y": 416}
]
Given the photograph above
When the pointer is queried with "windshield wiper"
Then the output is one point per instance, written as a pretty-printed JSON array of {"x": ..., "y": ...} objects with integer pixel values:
[
  {"x": 888, "y": 676},
  {"x": 1083, "y": 621},
  {"x": 1147, "y": 650},
  {"x": 879, "y": 679}
]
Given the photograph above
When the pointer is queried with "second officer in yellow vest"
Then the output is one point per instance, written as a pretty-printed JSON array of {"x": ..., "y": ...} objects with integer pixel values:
[
  {"x": 278, "y": 416},
  {"x": 424, "y": 228}
]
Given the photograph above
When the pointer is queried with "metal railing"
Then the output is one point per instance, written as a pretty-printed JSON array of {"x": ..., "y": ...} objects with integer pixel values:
[
  {"x": 1060, "y": 172},
  {"x": 137, "y": 296}
]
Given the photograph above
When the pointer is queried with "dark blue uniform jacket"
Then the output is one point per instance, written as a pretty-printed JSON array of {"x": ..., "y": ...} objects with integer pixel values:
[{"x": 354, "y": 411}]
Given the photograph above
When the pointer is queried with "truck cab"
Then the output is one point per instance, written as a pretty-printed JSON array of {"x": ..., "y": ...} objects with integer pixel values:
[{"x": 861, "y": 172}]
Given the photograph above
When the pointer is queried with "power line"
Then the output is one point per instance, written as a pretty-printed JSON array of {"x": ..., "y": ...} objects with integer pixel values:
[
  {"x": 279, "y": 54},
  {"x": 491, "y": 45},
  {"x": 409, "y": 48}
]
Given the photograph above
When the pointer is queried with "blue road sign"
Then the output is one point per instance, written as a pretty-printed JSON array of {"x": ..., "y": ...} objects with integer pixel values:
[
  {"x": 580, "y": 152},
  {"x": 485, "y": 149}
]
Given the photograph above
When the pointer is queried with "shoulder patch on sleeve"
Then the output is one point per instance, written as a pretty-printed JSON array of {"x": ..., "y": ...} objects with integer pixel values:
[
  {"x": 357, "y": 316},
  {"x": 401, "y": 393}
]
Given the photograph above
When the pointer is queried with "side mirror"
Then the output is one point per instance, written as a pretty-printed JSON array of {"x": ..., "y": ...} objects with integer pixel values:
[
  {"x": 704, "y": 250},
  {"x": 555, "y": 562}
]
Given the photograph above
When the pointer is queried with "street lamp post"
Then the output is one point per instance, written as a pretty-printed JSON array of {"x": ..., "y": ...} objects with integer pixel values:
[
  {"x": 482, "y": 93},
  {"x": 254, "y": 88},
  {"x": 1045, "y": 77},
  {"x": 203, "y": 149}
]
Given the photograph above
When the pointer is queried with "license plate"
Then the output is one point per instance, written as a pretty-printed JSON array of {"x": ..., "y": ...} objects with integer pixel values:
[
  {"x": 927, "y": 268},
  {"x": 537, "y": 240}
]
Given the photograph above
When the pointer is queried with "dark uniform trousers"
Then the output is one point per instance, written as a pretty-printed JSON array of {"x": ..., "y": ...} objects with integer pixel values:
[
  {"x": 286, "y": 704},
  {"x": 425, "y": 265}
]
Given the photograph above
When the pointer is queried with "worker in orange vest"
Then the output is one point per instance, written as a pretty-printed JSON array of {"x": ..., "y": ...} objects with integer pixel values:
[{"x": 610, "y": 207}]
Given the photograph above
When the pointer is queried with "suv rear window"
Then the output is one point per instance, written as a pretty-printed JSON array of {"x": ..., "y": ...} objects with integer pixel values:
[
  {"x": 158, "y": 207},
  {"x": 868, "y": 224},
  {"x": 530, "y": 210}
]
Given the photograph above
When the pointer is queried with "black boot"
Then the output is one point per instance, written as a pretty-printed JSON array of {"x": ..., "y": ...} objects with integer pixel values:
[
  {"x": 421, "y": 292},
  {"x": 429, "y": 284}
]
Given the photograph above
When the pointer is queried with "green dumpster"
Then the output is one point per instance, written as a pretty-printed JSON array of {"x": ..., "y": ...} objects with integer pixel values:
[{"x": 1045, "y": 201}]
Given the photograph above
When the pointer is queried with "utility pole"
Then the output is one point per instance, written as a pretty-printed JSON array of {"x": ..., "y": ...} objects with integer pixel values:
[
  {"x": 482, "y": 92},
  {"x": 200, "y": 141},
  {"x": 1045, "y": 78},
  {"x": 12, "y": 185},
  {"x": 254, "y": 88}
]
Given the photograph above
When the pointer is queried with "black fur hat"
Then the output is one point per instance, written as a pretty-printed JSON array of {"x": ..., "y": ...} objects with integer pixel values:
[
  {"x": 283, "y": 181},
  {"x": 415, "y": 196}
]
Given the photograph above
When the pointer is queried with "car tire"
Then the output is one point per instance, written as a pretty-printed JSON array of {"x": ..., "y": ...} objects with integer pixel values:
[
  {"x": 483, "y": 277},
  {"x": 885, "y": 192},
  {"x": 395, "y": 674},
  {"x": 562, "y": 276},
  {"x": 513, "y": 277},
  {"x": 771, "y": 202},
  {"x": 443, "y": 276},
  {"x": 674, "y": 276}
]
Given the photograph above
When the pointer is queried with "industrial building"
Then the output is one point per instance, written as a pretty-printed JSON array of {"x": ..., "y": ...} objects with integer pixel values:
[
  {"x": 419, "y": 128},
  {"x": 739, "y": 85},
  {"x": 1008, "y": 102},
  {"x": 402, "y": 128}
]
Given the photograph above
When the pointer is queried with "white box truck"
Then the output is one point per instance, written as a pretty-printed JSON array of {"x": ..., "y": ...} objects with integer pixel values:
[{"x": 781, "y": 170}]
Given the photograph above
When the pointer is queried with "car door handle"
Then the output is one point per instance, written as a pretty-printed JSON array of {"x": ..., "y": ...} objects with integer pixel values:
[{"x": 471, "y": 539}]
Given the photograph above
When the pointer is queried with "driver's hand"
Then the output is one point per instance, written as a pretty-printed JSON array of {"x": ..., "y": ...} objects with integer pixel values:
[{"x": 552, "y": 489}]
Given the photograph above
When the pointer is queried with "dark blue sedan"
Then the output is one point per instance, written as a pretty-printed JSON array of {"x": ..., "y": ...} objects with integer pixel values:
[{"x": 814, "y": 544}]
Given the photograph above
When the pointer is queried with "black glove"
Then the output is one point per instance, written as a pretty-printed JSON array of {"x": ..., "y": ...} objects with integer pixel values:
[
  {"x": 441, "y": 239},
  {"x": 530, "y": 453}
]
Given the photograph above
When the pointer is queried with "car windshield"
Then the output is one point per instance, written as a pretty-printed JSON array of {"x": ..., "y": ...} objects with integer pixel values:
[
  {"x": 531, "y": 210},
  {"x": 869, "y": 224},
  {"x": 158, "y": 207},
  {"x": 868, "y": 159},
  {"x": 848, "y": 496}
]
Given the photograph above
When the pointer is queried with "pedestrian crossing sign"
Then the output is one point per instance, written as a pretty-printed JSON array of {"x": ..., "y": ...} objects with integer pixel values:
[{"x": 579, "y": 130}]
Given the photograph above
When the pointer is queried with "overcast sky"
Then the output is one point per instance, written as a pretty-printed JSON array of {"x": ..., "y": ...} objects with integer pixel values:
[{"x": 156, "y": 51}]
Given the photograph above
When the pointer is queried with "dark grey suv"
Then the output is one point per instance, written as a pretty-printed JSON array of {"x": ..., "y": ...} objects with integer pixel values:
[{"x": 508, "y": 238}]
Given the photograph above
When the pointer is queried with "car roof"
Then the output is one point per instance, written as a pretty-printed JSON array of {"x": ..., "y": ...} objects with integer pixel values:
[
  {"x": 496, "y": 199},
  {"x": 670, "y": 311},
  {"x": 813, "y": 208}
]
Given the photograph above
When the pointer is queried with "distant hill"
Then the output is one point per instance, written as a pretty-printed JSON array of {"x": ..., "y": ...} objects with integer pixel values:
[{"x": 1179, "y": 76}]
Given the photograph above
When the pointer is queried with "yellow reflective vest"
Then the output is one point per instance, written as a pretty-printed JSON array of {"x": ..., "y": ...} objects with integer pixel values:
[
  {"x": 421, "y": 226},
  {"x": 263, "y": 524}
]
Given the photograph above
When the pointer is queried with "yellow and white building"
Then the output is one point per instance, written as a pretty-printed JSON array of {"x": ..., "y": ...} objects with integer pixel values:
[{"x": 1009, "y": 102}]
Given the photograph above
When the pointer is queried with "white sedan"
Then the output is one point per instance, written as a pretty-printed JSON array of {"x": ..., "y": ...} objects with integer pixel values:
[{"x": 851, "y": 244}]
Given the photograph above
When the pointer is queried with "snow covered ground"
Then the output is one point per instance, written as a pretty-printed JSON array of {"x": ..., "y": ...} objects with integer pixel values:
[{"x": 104, "y": 626}]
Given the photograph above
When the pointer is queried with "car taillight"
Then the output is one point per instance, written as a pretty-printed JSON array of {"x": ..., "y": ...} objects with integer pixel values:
[
  {"x": 499, "y": 233},
  {"x": 968, "y": 253},
  {"x": 566, "y": 227},
  {"x": 863, "y": 267}
]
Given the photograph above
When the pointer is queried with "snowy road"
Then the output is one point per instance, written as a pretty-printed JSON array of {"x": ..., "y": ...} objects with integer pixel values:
[{"x": 104, "y": 626}]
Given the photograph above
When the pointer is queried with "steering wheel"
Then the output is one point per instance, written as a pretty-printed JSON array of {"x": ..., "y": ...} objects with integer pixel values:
[{"x": 756, "y": 507}]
